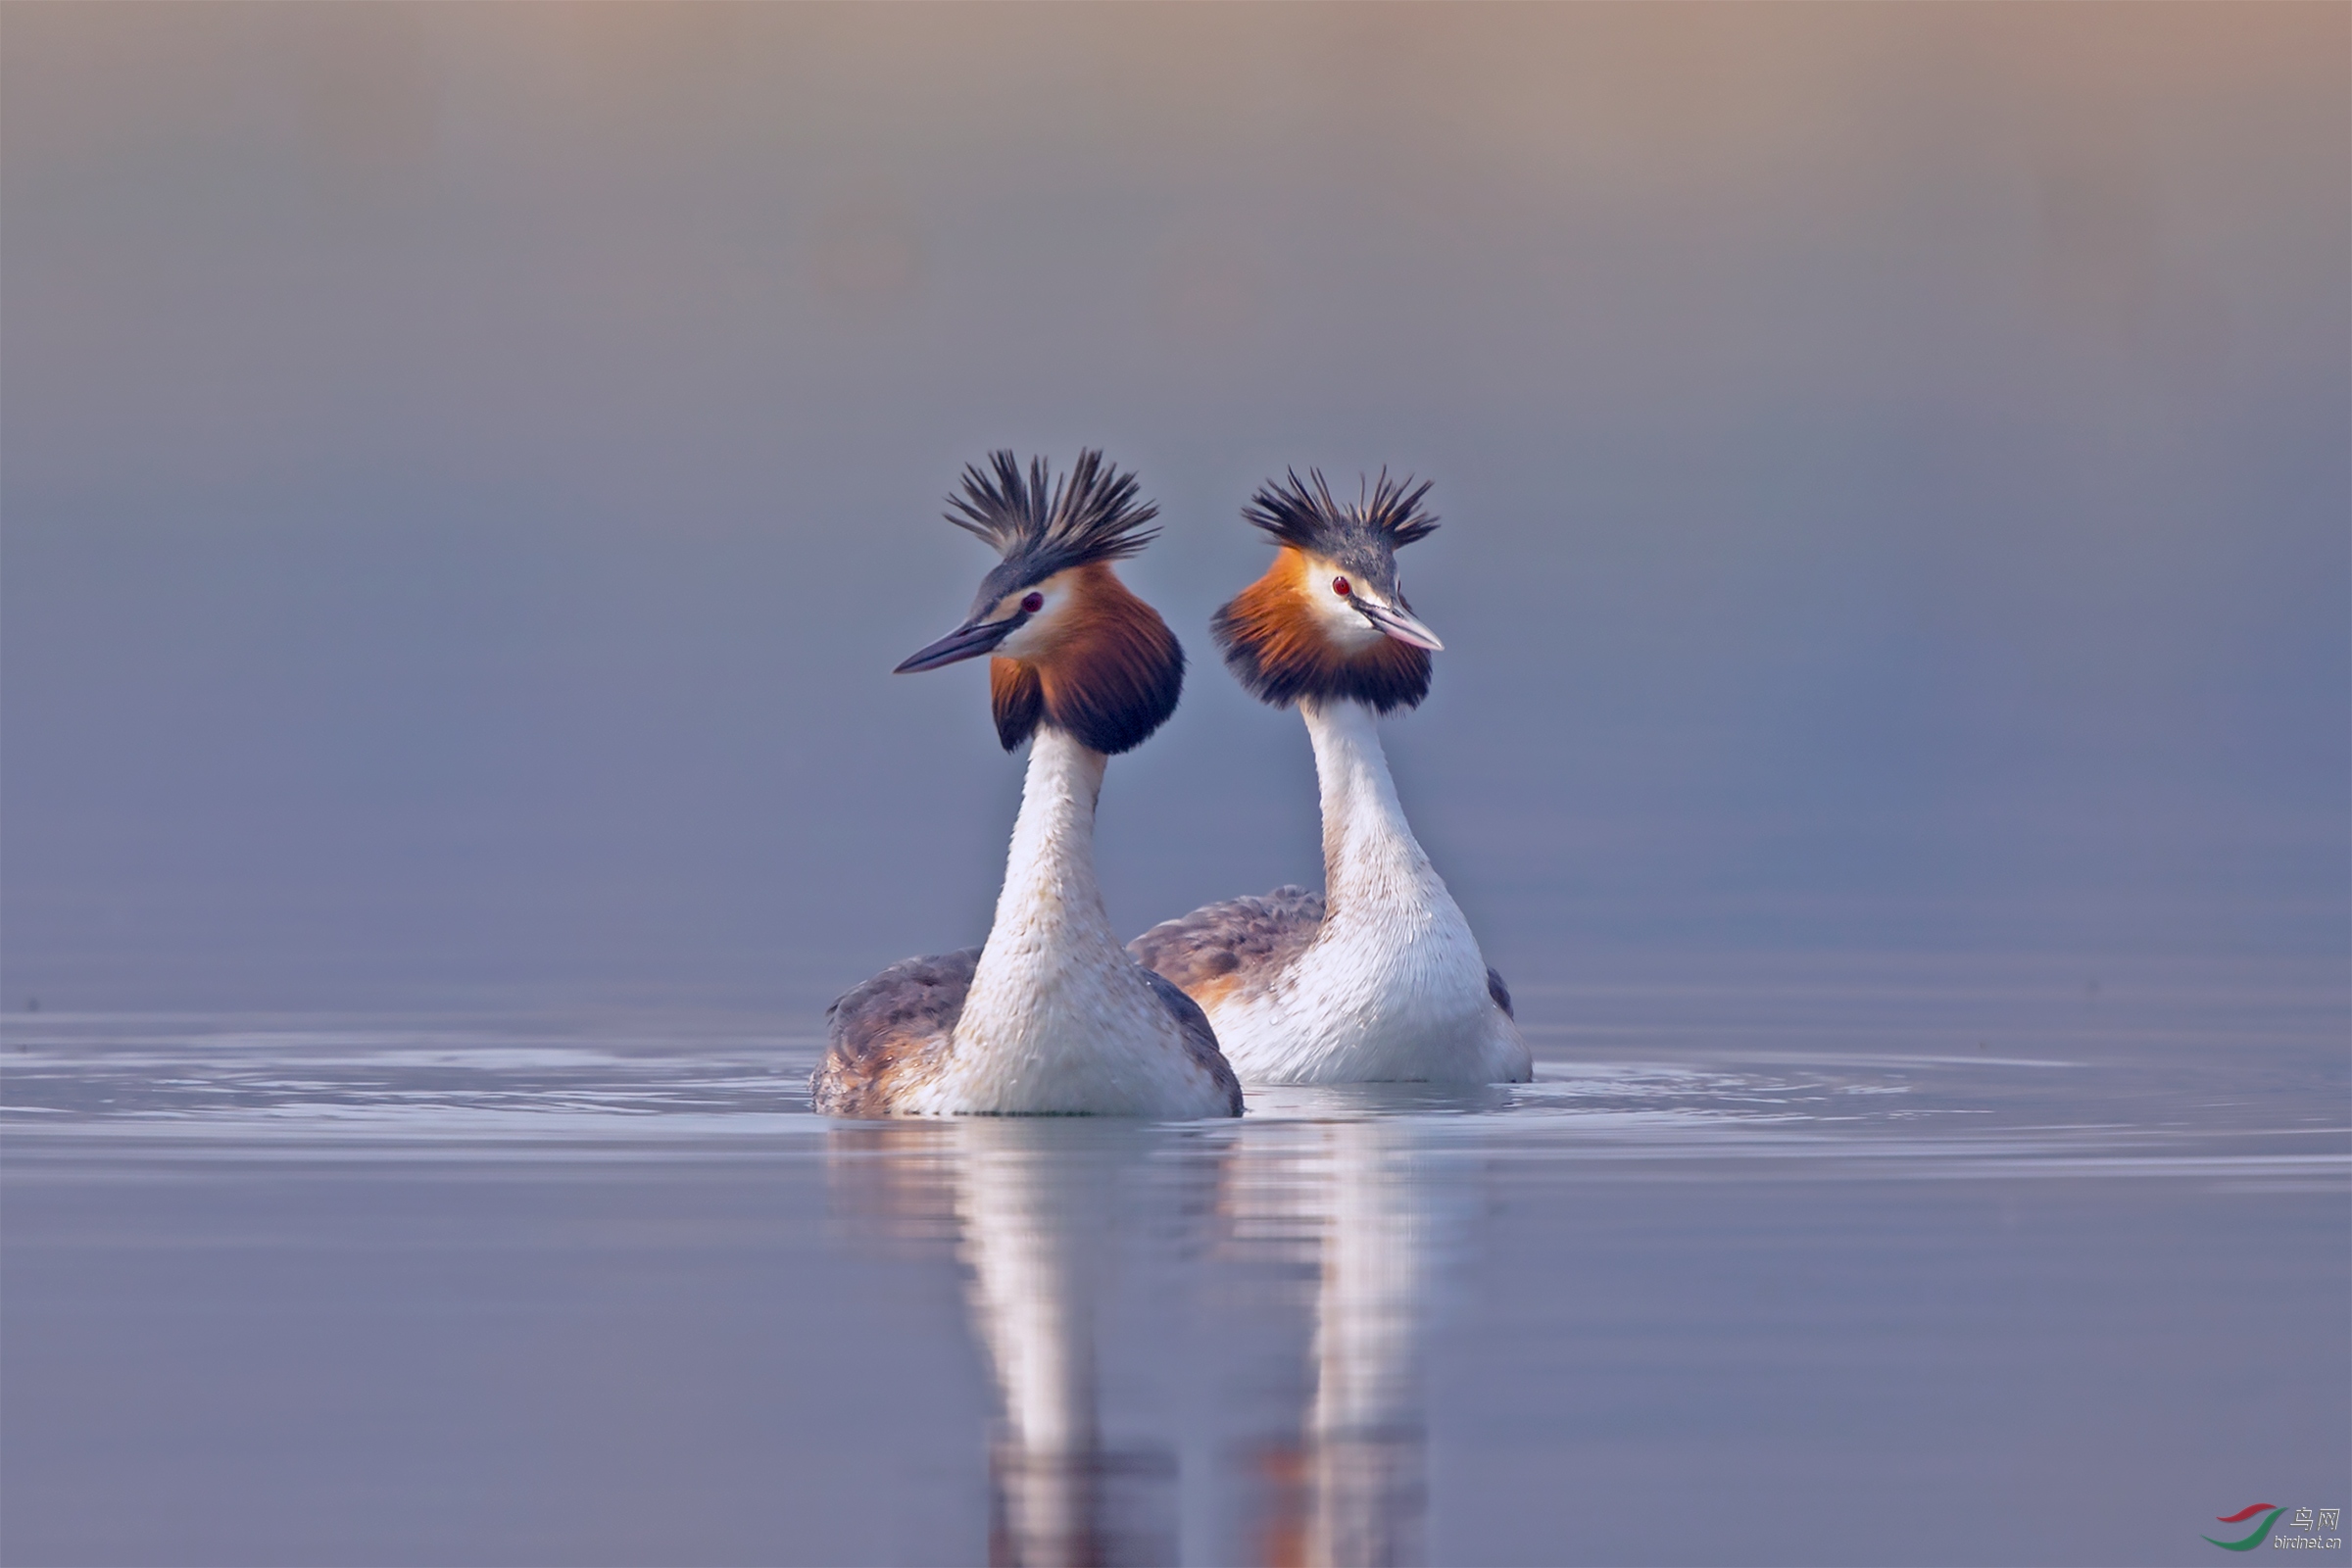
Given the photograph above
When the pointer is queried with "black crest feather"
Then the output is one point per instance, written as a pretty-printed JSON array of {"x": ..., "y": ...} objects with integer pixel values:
[
  {"x": 1040, "y": 526},
  {"x": 1303, "y": 514}
]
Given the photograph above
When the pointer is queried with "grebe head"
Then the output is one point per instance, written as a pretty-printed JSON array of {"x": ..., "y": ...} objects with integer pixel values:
[
  {"x": 1328, "y": 621},
  {"x": 1073, "y": 650}
]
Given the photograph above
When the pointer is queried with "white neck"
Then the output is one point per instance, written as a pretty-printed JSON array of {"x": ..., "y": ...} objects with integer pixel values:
[
  {"x": 1370, "y": 855},
  {"x": 1392, "y": 985},
  {"x": 1059, "y": 1019},
  {"x": 1050, "y": 887}
]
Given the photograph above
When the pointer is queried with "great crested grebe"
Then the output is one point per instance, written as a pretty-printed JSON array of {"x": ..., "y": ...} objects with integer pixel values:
[
  {"x": 1051, "y": 1016},
  {"x": 1377, "y": 978}
]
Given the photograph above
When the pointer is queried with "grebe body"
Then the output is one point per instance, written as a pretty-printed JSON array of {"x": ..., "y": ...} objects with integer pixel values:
[
  {"x": 1049, "y": 1016},
  {"x": 1377, "y": 978}
]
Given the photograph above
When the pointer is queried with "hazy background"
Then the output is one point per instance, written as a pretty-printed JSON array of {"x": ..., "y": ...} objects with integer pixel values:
[{"x": 469, "y": 472}]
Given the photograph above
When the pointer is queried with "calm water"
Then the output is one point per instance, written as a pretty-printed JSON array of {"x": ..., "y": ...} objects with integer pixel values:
[{"x": 1835, "y": 1262}]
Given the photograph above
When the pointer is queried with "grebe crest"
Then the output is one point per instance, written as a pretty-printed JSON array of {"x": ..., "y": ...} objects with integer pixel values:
[
  {"x": 1051, "y": 1015},
  {"x": 1329, "y": 621}
]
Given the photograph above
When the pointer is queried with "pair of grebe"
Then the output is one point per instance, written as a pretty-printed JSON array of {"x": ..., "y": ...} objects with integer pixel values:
[{"x": 1376, "y": 979}]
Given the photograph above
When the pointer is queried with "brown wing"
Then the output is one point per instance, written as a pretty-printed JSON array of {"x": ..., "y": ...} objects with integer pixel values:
[
  {"x": 1200, "y": 1040},
  {"x": 1222, "y": 946},
  {"x": 891, "y": 1033}
]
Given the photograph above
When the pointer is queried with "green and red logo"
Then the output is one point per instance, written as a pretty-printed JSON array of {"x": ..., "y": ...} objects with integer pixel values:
[{"x": 2269, "y": 1517}]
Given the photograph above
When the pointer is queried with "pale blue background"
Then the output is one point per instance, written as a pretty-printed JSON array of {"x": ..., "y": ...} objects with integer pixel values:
[{"x": 470, "y": 470}]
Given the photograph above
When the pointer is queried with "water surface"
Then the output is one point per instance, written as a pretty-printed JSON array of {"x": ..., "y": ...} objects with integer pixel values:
[{"x": 1860, "y": 1262}]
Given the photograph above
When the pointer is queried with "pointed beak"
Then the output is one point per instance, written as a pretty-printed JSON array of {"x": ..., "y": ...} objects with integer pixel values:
[
  {"x": 967, "y": 641},
  {"x": 1399, "y": 624}
]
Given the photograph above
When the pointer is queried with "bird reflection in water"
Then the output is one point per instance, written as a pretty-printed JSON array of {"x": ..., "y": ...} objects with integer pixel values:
[
  {"x": 1040, "y": 1210},
  {"x": 1350, "y": 1200},
  {"x": 1039, "y": 1205}
]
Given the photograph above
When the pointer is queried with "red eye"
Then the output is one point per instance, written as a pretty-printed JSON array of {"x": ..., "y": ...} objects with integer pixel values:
[
  {"x": 1031, "y": 604},
  {"x": 1339, "y": 585}
]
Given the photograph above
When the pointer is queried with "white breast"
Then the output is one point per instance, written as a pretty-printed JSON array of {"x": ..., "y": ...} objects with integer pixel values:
[
  {"x": 1394, "y": 986},
  {"x": 1059, "y": 1019}
]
